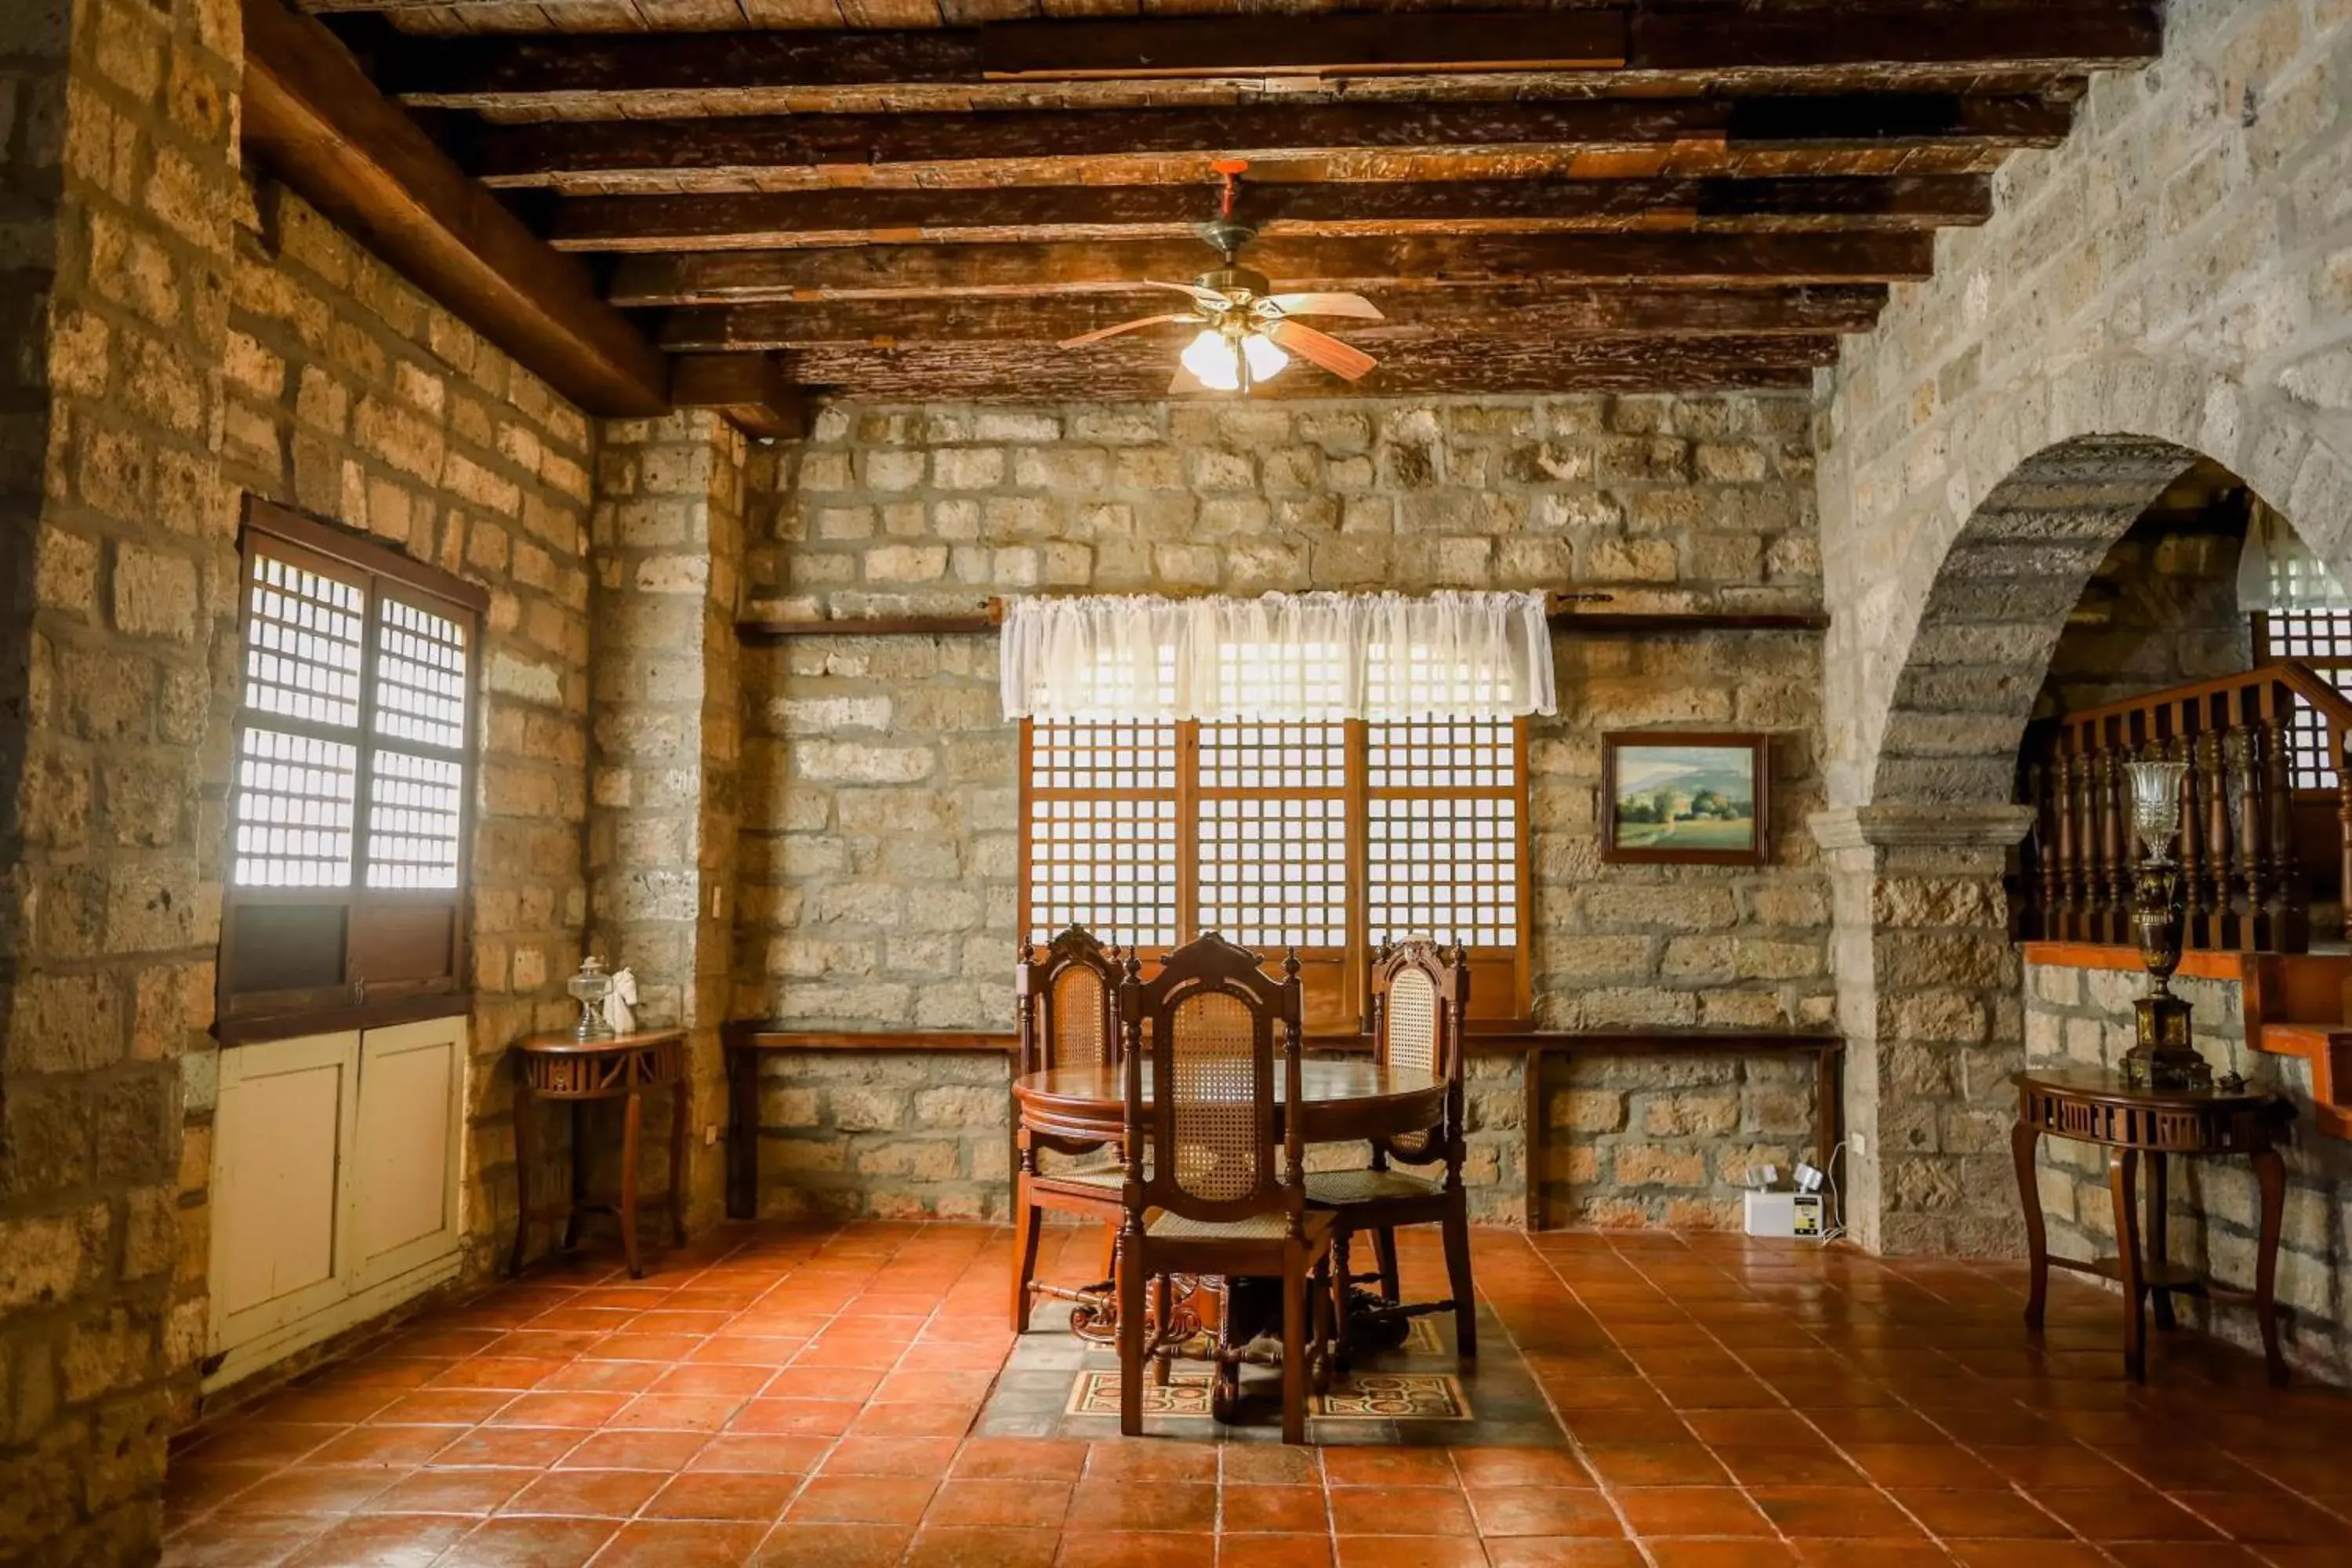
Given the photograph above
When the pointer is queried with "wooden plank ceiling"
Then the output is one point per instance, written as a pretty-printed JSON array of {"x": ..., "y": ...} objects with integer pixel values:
[{"x": 918, "y": 198}]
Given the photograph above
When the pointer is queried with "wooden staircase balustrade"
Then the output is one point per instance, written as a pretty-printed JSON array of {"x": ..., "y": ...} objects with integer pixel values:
[{"x": 2254, "y": 851}]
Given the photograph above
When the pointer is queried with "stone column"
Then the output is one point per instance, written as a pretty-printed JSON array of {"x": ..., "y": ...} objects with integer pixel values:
[
  {"x": 1928, "y": 998},
  {"x": 117, "y": 162},
  {"x": 665, "y": 708}
]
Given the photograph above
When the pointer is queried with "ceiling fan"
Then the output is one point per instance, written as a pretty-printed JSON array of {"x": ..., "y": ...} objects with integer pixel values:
[{"x": 1248, "y": 332}]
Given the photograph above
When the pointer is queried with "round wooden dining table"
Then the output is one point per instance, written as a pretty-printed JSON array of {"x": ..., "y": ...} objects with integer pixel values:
[{"x": 1346, "y": 1101}]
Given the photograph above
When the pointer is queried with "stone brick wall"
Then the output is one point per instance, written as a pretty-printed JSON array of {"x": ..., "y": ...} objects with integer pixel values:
[
  {"x": 2168, "y": 284},
  {"x": 2160, "y": 610},
  {"x": 880, "y": 834},
  {"x": 669, "y": 531},
  {"x": 116, "y": 161},
  {"x": 2084, "y": 1018},
  {"x": 351, "y": 396}
]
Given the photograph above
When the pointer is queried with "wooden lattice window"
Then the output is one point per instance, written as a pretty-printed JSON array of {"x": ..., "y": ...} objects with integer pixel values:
[
  {"x": 351, "y": 800},
  {"x": 1326, "y": 836},
  {"x": 2322, "y": 639}
]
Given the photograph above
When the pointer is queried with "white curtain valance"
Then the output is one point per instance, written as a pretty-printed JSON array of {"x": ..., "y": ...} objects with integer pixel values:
[{"x": 1283, "y": 657}]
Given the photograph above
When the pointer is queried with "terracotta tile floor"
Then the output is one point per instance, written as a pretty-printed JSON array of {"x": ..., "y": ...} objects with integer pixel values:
[{"x": 804, "y": 1397}]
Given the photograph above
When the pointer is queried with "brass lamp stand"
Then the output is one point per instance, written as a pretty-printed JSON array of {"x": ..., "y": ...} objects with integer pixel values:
[{"x": 2162, "y": 1057}]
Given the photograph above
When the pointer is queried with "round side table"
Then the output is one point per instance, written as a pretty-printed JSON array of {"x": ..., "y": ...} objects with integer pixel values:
[
  {"x": 2096, "y": 1107},
  {"x": 622, "y": 1068}
]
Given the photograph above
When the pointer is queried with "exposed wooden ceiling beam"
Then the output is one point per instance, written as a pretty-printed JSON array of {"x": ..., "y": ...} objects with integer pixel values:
[
  {"x": 1653, "y": 51},
  {"x": 658, "y": 153},
  {"x": 1667, "y": 312},
  {"x": 771, "y": 219},
  {"x": 719, "y": 277},
  {"x": 314, "y": 118},
  {"x": 752, "y": 390},
  {"x": 1139, "y": 372}
]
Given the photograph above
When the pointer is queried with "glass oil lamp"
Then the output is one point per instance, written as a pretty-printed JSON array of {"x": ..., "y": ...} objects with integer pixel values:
[
  {"x": 589, "y": 988},
  {"x": 2162, "y": 1057}
]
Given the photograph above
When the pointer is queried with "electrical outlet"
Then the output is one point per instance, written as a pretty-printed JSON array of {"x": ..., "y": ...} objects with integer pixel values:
[
  {"x": 709, "y": 1135},
  {"x": 1861, "y": 1144}
]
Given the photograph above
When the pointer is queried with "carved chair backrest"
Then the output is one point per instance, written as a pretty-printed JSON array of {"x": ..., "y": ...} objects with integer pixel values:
[
  {"x": 1420, "y": 992},
  {"x": 1066, "y": 999},
  {"x": 1213, "y": 1031}
]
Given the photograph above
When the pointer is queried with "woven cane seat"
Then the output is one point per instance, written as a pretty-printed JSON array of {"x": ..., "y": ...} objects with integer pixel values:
[
  {"x": 1105, "y": 1178},
  {"x": 1367, "y": 1186},
  {"x": 1268, "y": 1226}
]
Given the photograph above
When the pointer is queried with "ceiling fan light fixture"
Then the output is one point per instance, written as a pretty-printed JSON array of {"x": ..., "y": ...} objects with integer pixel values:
[
  {"x": 1266, "y": 358},
  {"x": 1212, "y": 361}
]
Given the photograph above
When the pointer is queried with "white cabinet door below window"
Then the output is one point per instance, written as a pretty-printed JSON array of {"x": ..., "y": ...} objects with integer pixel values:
[
  {"x": 279, "y": 1140},
  {"x": 404, "y": 1178}
]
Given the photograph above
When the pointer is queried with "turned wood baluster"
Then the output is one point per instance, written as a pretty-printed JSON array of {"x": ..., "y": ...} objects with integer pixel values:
[
  {"x": 2183, "y": 748},
  {"x": 2244, "y": 750},
  {"x": 2069, "y": 906},
  {"x": 2090, "y": 905},
  {"x": 2050, "y": 813},
  {"x": 2340, "y": 749},
  {"x": 2212, "y": 752},
  {"x": 2289, "y": 912},
  {"x": 2115, "y": 806}
]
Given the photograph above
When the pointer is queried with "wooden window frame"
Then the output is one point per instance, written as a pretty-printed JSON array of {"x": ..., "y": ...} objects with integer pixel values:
[
  {"x": 369, "y": 915},
  {"x": 2335, "y": 668},
  {"x": 1337, "y": 981}
]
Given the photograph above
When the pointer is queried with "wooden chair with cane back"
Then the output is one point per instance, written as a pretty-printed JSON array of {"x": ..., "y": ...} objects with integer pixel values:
[
  {"x": 1066, "y": 1005},
  {"x": 1223, "y": 1193},
  {"x": 1421, "y": 993}
]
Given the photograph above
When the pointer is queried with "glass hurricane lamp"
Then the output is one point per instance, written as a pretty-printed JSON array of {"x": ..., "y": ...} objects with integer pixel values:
[
  {"x": 2162, "y": 1057},
  {"x": 589, "y": 988}
]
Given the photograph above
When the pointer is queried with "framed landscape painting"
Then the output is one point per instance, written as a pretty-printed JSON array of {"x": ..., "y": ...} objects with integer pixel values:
[{"x": 1669, "y": 797}]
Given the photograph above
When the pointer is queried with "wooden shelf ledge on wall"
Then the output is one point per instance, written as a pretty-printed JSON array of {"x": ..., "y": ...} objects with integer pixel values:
[
  {"x": 748, "y": 1041},
  {"x": 987, "y": 615}
]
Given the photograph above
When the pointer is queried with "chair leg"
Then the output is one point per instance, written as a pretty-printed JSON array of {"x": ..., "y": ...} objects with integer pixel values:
[
  {"x": 1294, "y": 1349},
  {"x": 1457, "y": 1234},
  {"x": 1323, "y": 1345},
  {"x": 1162, "y": 1304},
  {"x": 1384, "y": 1251},
  {"x": 1338, "y": 1273},
  {"x": 1027, "y": 1221},
  {"x": 1131, "y": 1341}
]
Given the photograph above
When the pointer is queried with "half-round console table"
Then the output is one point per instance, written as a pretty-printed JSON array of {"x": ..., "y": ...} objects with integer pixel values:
[
  {"x": 2095, "y": 1107},
  {"x": 622, "y": 1068}
]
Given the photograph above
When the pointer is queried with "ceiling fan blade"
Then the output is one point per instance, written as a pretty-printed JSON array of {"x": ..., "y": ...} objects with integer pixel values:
[
  {"x": 1354, "y": 305},
  {"x": 1320, "y": 348},
  {"x": 1206, "y": 296},
  {"x": 1136, "y": 325}
]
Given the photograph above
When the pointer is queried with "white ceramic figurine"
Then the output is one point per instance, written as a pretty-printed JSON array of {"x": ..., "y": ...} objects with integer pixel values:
[{"x": 618, "y": 1005}]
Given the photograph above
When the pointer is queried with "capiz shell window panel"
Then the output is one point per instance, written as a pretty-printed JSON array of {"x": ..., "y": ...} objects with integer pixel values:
[
  {"x": 1324, "y": 837},
  {"x": 351, "y": 798}
]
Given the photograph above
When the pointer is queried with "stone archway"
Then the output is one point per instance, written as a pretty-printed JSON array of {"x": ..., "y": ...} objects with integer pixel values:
[{"x": 1928, "y": 981}]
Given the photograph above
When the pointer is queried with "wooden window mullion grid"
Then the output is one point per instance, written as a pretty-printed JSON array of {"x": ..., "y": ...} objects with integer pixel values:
[
  {"x": 303, "y": 951},
  {"x": 1457, "y": 854}
]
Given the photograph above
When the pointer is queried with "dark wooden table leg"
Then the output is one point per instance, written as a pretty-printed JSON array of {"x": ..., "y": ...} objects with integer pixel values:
[
  {"x": 2023, "y": 1140},
  {"x": 2159, "y": 1246},
  {"x": 632, "y": 1116},
  {"x": 579, "y": 1173},
  {"x": 525, "y": 1154},
  {"x": 679, "y": 1134},
  {"x": 2123, "y": 1183},
  {"x": 2270, "y": 1172}
]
